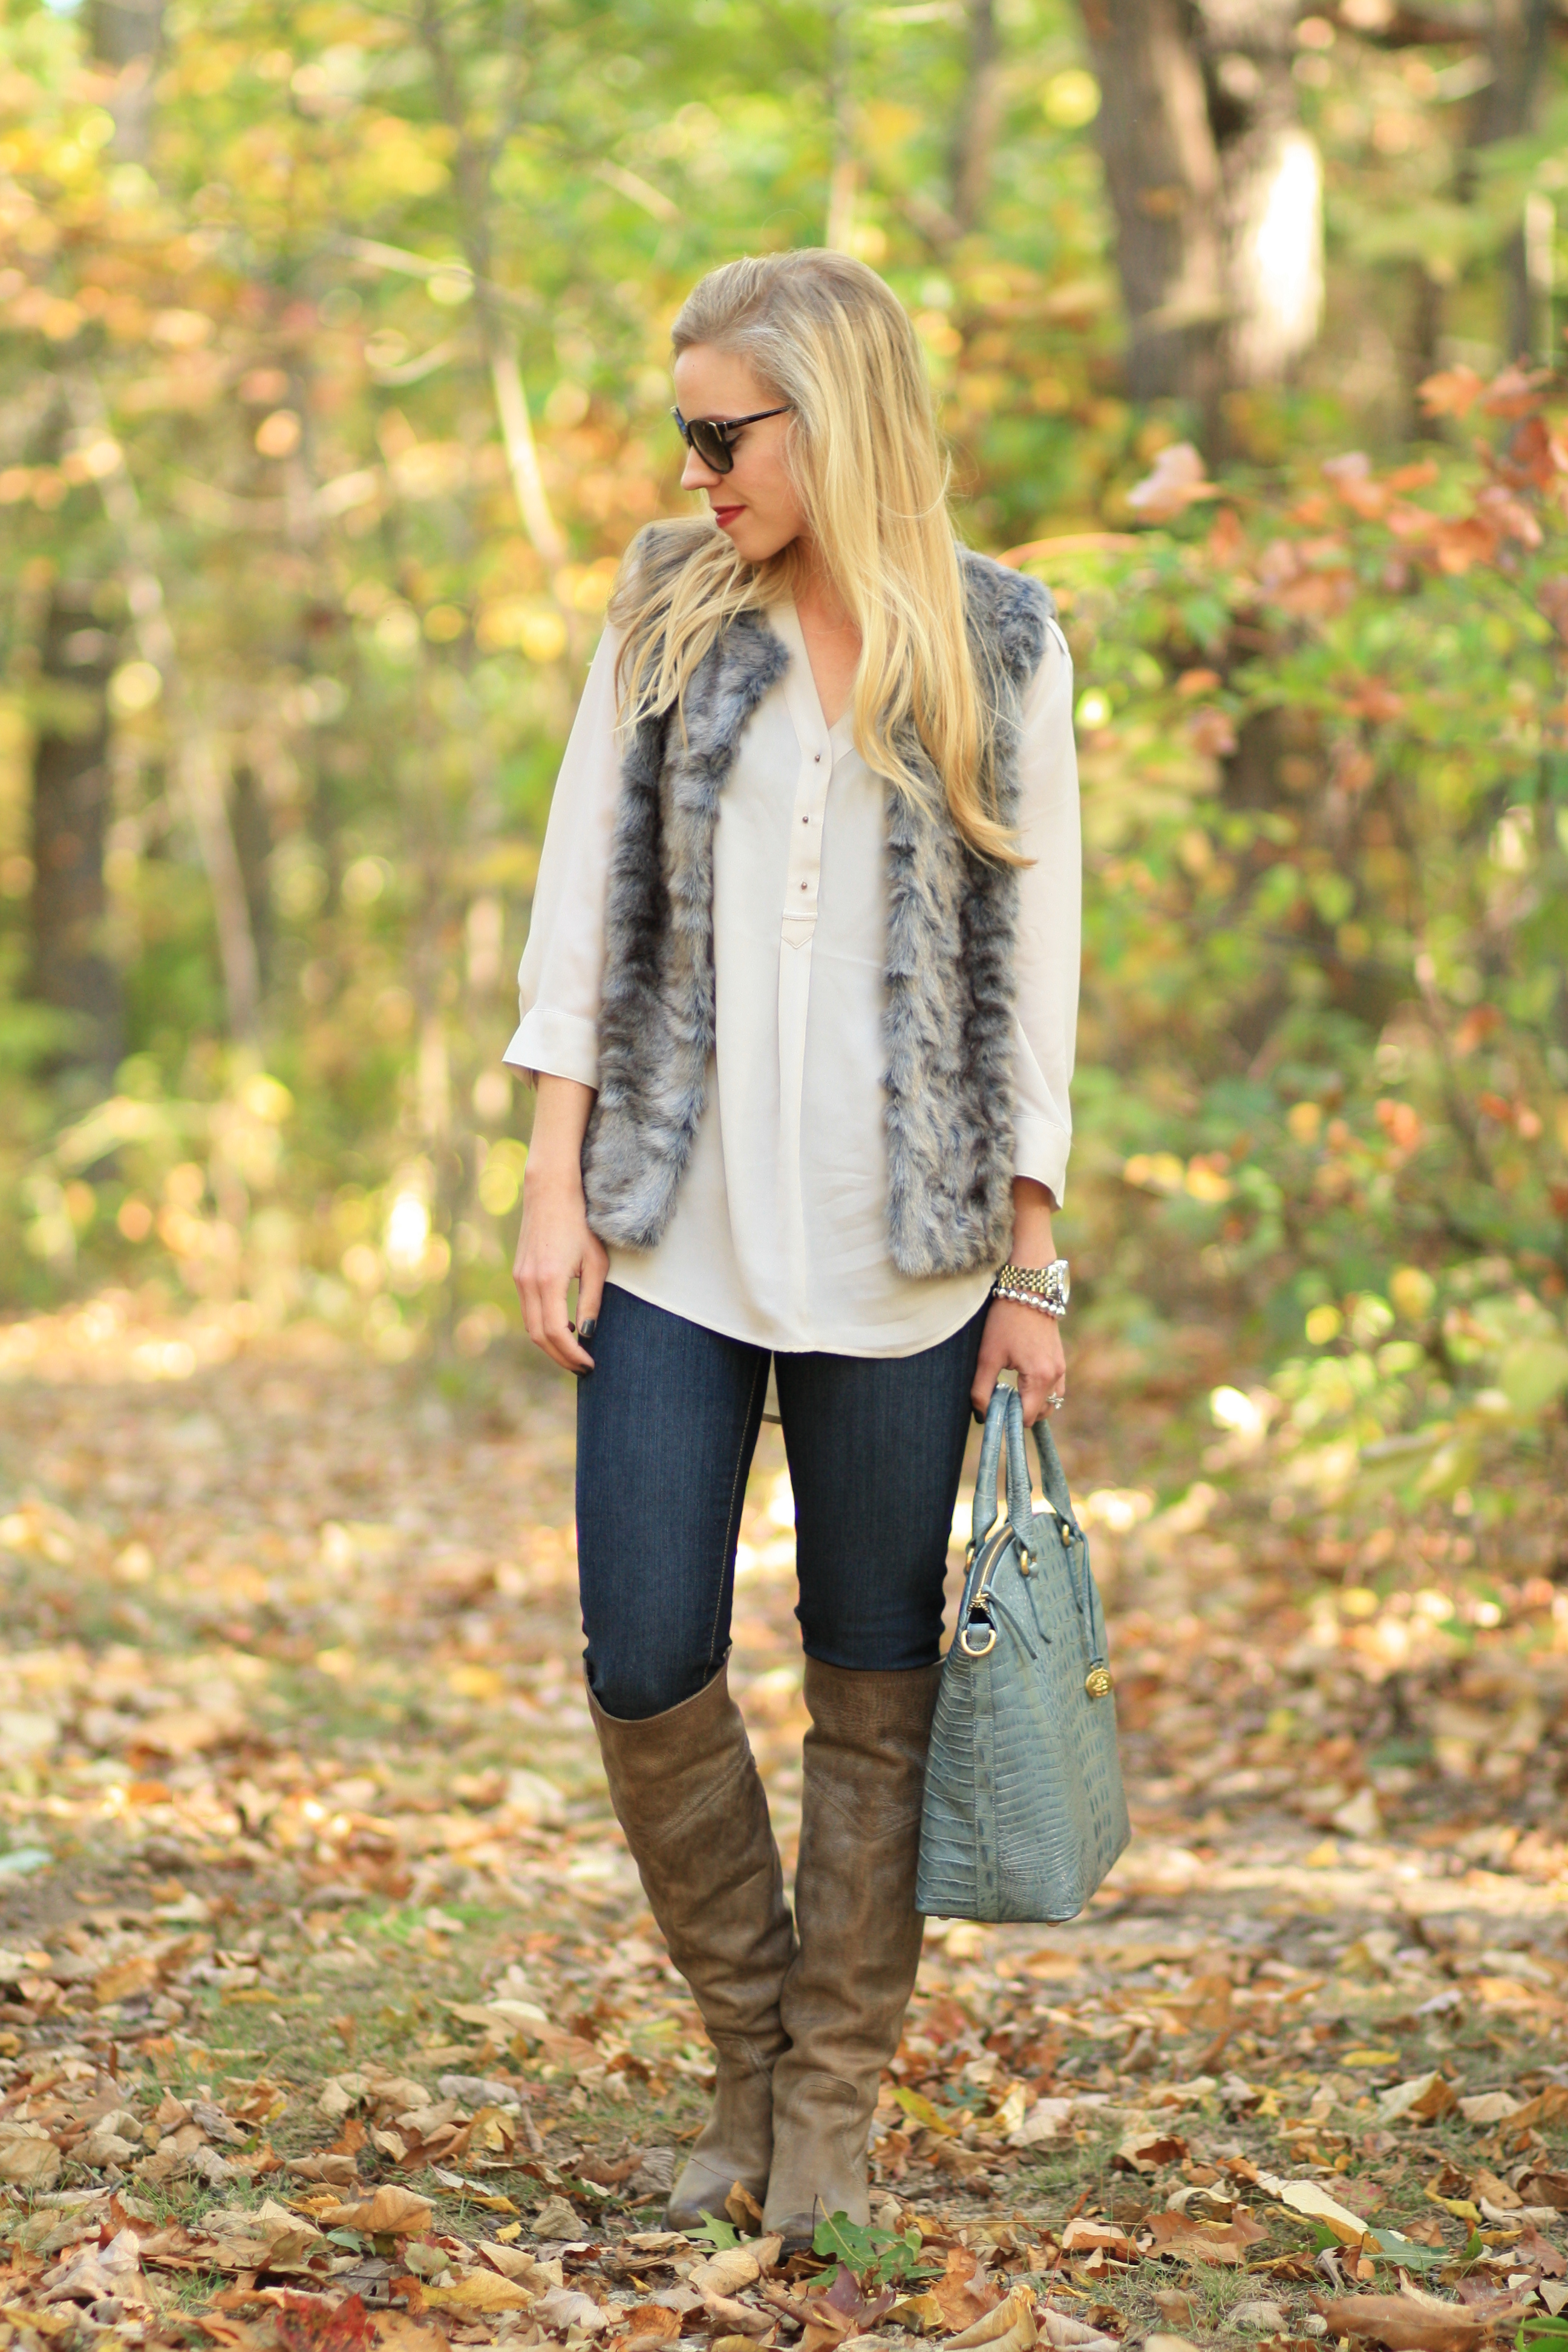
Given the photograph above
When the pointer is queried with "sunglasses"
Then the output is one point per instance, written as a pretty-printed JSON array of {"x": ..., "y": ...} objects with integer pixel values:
[{"x": 713, "y": 438}]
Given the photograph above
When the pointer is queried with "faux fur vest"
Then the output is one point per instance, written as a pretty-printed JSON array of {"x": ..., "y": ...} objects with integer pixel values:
[{"x": 947, "y": 1020}]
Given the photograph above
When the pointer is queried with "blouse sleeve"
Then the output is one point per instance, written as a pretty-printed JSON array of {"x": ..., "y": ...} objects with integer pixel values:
[
  {"x": 1050, "y": 894},
  {"x": 559, "y": 979}
]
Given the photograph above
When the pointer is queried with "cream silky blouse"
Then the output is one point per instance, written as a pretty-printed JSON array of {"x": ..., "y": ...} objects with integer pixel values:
[{"x": 778, "y": 1233}]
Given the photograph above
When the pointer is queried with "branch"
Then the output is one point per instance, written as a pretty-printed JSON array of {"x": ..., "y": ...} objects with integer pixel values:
[
  {"x": 472, "y": 175},
  {"x": 195, "y": 769}
]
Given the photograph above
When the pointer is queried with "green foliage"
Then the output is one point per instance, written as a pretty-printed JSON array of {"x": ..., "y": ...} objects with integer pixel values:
[
  {"x": 717, "y": 2233},
  {"x": 248, "y": 413},
  {"x": 874, "y": 2257},
  {"x": 1323, "y": 1105}
]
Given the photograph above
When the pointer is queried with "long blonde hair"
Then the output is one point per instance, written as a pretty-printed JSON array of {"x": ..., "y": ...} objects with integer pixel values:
[{"x": 827, "y": 335}]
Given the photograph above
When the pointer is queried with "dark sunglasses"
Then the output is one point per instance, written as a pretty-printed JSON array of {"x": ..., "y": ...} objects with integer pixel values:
[{"x": 713, "y": 438}]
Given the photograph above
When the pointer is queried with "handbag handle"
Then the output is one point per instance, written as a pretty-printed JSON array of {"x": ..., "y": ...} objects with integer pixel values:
[
  {"x": 1090, "y": 1609},
  {"x": 1005, "y": 1426}
]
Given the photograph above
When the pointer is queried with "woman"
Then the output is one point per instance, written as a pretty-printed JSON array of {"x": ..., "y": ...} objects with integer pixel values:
[{"x": 799, "y": 997}]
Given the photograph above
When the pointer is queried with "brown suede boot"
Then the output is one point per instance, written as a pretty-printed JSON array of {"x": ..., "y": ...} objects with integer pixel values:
[
  {"x": 844, "y": 1999},
  {"x": 686, "y": 1791}
]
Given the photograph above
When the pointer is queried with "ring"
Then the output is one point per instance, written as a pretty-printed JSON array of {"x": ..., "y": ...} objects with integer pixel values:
[{"x": 1055, "y": 1403}]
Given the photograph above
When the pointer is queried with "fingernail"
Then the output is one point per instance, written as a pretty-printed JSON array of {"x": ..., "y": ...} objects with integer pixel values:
[
  {"x": 977, "y": 1416},
  {"x": 586, "y": 1330}
]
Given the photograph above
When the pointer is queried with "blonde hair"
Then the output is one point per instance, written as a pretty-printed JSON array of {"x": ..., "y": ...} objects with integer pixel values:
[{"x": 827, "y": 335}]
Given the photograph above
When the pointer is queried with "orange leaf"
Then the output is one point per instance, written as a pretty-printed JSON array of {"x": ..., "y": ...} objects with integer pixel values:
[
  {"x": 1402, "y": 2324},
  {"x": 392, "y": 2209},
  {"x": 1454, "y": 392}
]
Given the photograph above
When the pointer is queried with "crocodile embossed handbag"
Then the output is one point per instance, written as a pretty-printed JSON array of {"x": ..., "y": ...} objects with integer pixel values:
[{"x": 1023, "y": 1806}]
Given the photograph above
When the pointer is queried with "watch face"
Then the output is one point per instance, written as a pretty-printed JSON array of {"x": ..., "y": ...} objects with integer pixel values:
[{"x": 1060, "y": 1282}]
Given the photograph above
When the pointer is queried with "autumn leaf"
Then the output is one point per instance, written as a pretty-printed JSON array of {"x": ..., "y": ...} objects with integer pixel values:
[
  {"x": 480, "y": 2292},
  {"x": 392, "y": 2211},
  {"x": 1453, "y": 391},
  {"x": 1401, "y": 2325},
  {"x": 1176, "y": 482},
  {"x": 1187, "y": 2239}
]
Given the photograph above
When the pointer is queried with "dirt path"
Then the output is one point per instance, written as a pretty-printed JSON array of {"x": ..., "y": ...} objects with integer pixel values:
[{"x": 297, "y": 1789}]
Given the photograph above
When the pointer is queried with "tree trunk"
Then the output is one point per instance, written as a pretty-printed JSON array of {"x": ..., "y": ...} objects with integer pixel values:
[
  {"x": 251, "y": 824},
  {"x": 1218, "y": 193},
  {"x": 979, "y": 117},
  {"x": 127, "y": 35},
  {"x": 1505, "y": 109},
  {"x": 71, "y": 798},
  {"x": 71, "y": 788}
]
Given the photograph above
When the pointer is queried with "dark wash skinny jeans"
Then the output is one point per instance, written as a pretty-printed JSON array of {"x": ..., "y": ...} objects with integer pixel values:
[{"x": 666, "y": 1425}]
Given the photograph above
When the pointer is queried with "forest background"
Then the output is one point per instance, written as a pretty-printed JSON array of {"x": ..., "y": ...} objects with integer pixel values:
[{"x": 333, "y": 383}]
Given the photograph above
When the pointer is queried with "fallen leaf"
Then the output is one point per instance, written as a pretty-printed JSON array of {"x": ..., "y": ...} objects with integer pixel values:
[
  {"x": 1066, "y": 2333},
  {"x": 740, "y": 2205},
  {"x": 741, "y": 2318},
  {"x": 123, "y": 1979},
  {"x": 1489, "y": 2107},
  {"x": 1187, "y": 2239},
  {"x": 393, "y": 2211},
  {"x": 556, "y": 2218},
  {"x": 30, "y": 2163},
  {"x": 1047, "y": 2119},
  {"x": 1009, "y": 2328},
  {"x": 963, "y": 2292},
  {"x": 1535, "y": 2253},
  {"x": 1315, "y": 2204},
  {"x": 919, "y": 2110},
  {"x": 486, "y": 2291},
  {"x": 1263, "y": 2315},
  {"x": 99, "y": 2273},
  {"x": 341, "y": 2171},
  {"x": 1548, "y": 2107},
  {"x": 267, "y": 2237},
  {"x": 1147, "y": 2150},
  {"x": 725, "y": 2272},
  {"x": 309, "y": 2322},
  {"x": 1402, "y": 2326},
  {"x": 567, "y": 2306},
  {"x": 1083, "y": 2237},
  {"x": 1422, "y": 2099},
  {"x": 652, "y": 2324},
  {"x": 396, "y": 2331},
  {"x": 922, "y": 2314}
]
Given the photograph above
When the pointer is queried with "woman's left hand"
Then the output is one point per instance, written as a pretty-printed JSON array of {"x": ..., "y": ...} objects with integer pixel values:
[{"x": 1024, "y": 1340}]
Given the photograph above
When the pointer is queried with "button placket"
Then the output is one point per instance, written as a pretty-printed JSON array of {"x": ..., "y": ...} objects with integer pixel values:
[{"x": 804, "y": 869}]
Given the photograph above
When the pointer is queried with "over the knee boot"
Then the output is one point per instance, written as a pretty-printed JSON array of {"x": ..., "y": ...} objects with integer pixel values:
[
  {"x": 687, "y": 1793},
  {"x": 844, "y": 1997}
]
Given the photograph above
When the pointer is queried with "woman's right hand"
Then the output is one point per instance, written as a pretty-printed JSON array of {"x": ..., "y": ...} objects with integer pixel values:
[{"x": 554, "y": 1246}]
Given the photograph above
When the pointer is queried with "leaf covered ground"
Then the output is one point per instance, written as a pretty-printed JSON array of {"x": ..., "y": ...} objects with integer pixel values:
[{"x": 330, "y": 2015}]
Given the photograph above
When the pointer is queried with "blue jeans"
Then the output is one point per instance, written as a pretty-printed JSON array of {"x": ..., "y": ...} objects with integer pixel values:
[{"x": 666, "y": 1424}]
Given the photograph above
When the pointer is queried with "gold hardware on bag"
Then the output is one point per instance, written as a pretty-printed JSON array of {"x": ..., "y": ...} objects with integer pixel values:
[
  {"x": 1097, "y": 1682},
  {"x": 967, "y": 1646},
  {"x": 1025, "y": 1562}
]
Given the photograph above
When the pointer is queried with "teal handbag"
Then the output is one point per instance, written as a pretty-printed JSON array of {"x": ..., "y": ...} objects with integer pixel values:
[{"x": 1023, "y": 1806}]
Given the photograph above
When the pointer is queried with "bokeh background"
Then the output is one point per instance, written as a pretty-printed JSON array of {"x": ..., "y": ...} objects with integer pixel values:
[{"x": 332, "y": 385}]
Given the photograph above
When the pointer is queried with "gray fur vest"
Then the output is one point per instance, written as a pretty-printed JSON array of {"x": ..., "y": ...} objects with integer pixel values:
[{"x": 947, "y": 1021}]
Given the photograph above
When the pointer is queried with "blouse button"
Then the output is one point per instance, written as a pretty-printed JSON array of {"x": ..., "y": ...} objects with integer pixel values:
[{"x": 818, "y": 757}]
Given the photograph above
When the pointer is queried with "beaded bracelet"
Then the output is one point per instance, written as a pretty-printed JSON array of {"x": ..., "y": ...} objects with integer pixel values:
[{"x": 1045, "y": 1286}]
